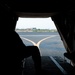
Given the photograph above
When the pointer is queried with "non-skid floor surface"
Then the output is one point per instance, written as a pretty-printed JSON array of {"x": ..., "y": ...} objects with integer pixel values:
[{"x": 48, "y": 66}]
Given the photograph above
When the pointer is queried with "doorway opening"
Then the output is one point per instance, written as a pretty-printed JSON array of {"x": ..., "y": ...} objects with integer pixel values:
[{"x": 42, "y": 33}]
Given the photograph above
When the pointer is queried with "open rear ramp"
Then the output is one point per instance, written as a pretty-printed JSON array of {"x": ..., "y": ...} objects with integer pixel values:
[{"x": 50, "y": 65}]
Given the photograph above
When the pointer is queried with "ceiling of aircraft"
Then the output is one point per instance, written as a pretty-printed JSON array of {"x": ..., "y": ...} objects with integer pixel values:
[{"x": 39, "y": 8}]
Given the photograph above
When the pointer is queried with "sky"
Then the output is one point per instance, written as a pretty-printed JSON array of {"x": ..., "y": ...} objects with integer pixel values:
[{"x": 39, "y": 23}]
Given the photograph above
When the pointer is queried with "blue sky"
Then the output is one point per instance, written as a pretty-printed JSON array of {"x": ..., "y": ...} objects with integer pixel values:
[{"x": 39, "y": 23}]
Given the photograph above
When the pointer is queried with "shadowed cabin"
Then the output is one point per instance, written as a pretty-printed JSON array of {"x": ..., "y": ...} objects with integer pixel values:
[{"x": 62, "y": 12}]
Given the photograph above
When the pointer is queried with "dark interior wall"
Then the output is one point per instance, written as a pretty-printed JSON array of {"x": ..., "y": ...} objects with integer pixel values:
[
  {"x": 40, "y": 6},
  {"x": 8, "y": 17},
  {"x": 65, "y": 25}
]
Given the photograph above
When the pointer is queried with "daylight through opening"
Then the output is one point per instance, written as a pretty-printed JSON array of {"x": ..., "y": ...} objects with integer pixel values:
[{"x": 42, "y": 33}]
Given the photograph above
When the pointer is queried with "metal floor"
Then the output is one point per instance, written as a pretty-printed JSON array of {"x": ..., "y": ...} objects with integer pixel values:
[{"x": 50, "y": 65}]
